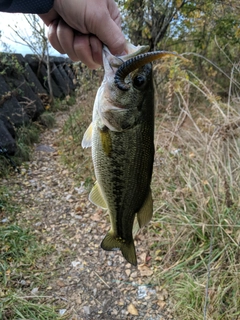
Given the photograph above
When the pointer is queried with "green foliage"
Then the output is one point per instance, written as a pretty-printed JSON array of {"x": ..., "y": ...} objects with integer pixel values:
[
  {"x": 26, "y": 136},
  {"x": 14, "y": 242},
  {"x": 19, "y": 251},
  {"x": 15, "y": 307},
  {"x": 9, "y": 63},
  {"x": 147, "y": 22},
  {"x": 208, "y": 29},
  {"x": 47, "y": 119}
]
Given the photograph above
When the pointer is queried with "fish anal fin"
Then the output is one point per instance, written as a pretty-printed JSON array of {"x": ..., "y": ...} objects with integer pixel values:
[
  {"x": 87, "y": 138},
  {"x": 96, "y": 196},
  {"x": 111, "y": 242},
  {"x": 136, "y": 227},
  {"x": 145, "y": 214}
]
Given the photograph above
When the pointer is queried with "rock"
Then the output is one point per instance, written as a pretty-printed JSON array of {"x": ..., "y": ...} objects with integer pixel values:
[
  {"x": 86, "y": 310},
  {"x": 65, "y": 76},
  {"x": 10, "y": 107},
  {"x": 8, "y": 124},
  {"x": 6, "y": 141},
  {"x": 60, "y": 81},
  {"x": 44, "y": 148},
  {"x": 42, "y": 74}
]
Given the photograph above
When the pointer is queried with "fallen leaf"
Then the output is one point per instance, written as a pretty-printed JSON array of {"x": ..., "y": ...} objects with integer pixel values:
[
  {"x": 143, "y": 256},
  {"x": 96, "y": 217},
  {"x": 145, "y": 270},
  {"x": 132, "y": 310},
  {"x": 60, "y": 283},
  {"x": 161, "y": 304},
  {"x": 128, "y": 271}
]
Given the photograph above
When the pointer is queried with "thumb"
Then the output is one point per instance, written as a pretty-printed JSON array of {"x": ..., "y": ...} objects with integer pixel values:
[{"x": 111, "y": 35}]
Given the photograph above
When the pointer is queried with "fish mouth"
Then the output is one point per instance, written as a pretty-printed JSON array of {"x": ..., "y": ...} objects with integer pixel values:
[
  {"x": 111, "y": 63},
  {"x": 135, "y": 62}
]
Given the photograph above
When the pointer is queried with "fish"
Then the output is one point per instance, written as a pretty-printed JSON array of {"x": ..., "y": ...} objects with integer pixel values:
[{"x": 122, "y": 139}]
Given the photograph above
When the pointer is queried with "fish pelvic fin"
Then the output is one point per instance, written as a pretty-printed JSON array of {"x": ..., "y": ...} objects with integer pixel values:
[
  {"x": 111, "y": 242},
  {"x": 87, "y": 138},
  {"x": 145, "y": 214},
  {"x": 96, "y": 196}
]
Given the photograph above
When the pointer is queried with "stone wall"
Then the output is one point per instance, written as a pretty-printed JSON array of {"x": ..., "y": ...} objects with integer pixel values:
[{"x": 24, "y": 91}]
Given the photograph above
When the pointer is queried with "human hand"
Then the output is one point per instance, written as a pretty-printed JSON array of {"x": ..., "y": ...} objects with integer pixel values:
[{"x": 79, "y": 27}]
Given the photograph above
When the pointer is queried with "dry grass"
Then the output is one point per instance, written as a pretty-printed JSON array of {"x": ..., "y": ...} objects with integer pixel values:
[
  {"x": 196, "y": 184},
  {"x": 80, "y": 118}
]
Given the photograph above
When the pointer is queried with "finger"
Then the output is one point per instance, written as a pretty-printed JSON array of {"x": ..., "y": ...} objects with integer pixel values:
[
  {"x": 83, "y": 51},
  {"x": 53, "y": 38},
  {"x": 96, "y": 49},
  {"x": 109, "y": 33},
  {"x": 65, "y": 36},
  {"x": 49, "y": 17},
  {"x": 114, "y": 12}
]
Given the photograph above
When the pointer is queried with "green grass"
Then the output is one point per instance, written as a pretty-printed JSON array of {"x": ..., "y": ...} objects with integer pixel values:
[
  {"x": 20, "y": 251},
  {"x": 47, "y": 119},
  {"x": 26, "y": 136},
  {"x": 15, "y": 307}
]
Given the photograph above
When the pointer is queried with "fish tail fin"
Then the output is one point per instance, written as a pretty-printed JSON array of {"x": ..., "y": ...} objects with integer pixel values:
[
  {"x": 129, "y": 253},
  {"x": 110, "y": 243}
]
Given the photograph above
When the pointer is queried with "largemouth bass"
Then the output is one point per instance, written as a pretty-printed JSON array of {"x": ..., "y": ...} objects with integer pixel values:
[{"x": 122, "y": 139}]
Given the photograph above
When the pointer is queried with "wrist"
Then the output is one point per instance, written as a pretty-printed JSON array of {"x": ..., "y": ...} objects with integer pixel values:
[{"x": 23, "y": 6}]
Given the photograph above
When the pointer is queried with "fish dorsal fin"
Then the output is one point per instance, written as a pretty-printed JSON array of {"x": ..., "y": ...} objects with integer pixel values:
[
  {"x": 96, "y": 196},
  {"x": 87, "y": 138},
  {"x": 145, "y": 214}
]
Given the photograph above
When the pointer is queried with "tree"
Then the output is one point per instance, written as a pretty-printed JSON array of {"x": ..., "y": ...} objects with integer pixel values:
[
  {"x": 147, "y": 22},
  {"x": 207, "y": 28},
  {"x": 37, "y": 41}
]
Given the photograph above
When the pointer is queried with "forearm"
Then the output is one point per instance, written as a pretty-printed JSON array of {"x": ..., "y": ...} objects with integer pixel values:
[{"x": 26, "y": 6}]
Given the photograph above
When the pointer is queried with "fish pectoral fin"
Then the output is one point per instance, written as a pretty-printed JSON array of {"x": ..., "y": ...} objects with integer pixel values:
[
  {"x": 145, "y": 214},
  {"x": 87, "y": 138},
  {"x": 111, "y": 242},
  {"x": 96, "y": 196}
]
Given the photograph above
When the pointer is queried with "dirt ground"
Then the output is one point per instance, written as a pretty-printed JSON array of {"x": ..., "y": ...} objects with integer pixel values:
[{"x": 86, "y": 281}]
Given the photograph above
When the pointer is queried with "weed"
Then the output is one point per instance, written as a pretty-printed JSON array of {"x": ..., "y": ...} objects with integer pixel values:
[
  {"x": 196, "y": 185},
  {"x": 47, "y": 119},
  {"x": 28, "y": 134},
  {"x": 19, "y": 307},
  {"x": 73, "y": 131},
  {"x": 19, "y": 253}
]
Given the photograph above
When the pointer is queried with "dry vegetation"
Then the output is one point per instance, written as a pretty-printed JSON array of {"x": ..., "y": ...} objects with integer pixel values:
[{"x": 196, "y": 185}]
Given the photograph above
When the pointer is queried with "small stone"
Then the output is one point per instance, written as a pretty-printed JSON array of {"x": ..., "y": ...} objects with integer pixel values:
[
  {"x": 62, "y": 311},
  {"x": 86, "y": 309},
  {"x": 134, "y": 274},
  {"x": 34, "y": 291}
]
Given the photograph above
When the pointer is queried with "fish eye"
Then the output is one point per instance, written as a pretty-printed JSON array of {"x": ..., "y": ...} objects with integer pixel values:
[{"x": 139, "y": 81}]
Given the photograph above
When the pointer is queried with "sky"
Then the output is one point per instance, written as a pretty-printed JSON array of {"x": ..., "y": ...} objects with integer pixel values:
[{"x": 15, "y": 19}]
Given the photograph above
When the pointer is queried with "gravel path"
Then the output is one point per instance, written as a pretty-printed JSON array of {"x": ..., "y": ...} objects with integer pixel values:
[{"x": 89, "y": 282}]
